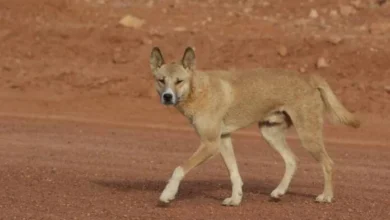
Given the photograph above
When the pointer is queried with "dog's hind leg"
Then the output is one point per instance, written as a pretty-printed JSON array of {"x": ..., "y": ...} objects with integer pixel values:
[
  {"x": 308, "y": 123},
  {"x": 274, "y": 134},
  {"x": 227, "y": 153}
]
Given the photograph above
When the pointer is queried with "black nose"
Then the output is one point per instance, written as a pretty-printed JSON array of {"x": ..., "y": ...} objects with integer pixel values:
[{"x": 167, "y": 97}]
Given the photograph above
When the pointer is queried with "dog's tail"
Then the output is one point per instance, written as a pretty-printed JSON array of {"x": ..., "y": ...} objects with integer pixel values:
[{"x": 332, "y": 105}]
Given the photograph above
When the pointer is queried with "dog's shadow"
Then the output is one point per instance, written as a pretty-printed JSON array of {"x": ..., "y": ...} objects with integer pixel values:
[{"x": 193, "y": 188}]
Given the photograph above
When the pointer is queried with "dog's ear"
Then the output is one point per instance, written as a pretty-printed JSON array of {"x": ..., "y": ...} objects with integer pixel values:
[
  {"x": 188, "y": 60},
  {"x": 156, "y": 59}
]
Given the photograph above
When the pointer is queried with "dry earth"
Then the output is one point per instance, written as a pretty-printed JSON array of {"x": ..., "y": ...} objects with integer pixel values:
[{"x": 83, "y": 136}]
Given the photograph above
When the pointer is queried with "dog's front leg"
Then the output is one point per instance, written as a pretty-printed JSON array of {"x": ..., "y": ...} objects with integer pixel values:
[
  {"x": 204, "y": 152},
  {"x": 210, "y": 144}
]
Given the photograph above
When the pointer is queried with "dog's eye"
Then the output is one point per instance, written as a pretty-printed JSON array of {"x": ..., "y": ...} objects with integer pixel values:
[
  {"x": 178, "y": 81},
  {"x": 161, "y": 81}
]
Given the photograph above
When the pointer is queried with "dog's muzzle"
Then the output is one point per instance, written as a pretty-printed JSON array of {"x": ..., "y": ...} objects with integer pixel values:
[{"x": 168, "y": 97}]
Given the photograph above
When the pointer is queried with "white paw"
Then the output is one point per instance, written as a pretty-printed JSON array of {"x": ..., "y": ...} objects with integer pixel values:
[
  {"x": 172, "y": 187},
  {"x": 167, "y": 195},
  {"x": 323, "y": 198},
  {"x": 232, "y": 201},
  {"x": 277, "y": 193}
]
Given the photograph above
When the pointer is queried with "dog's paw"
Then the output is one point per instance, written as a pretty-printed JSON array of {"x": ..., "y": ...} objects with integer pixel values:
[
  {"x": 167, "y": 195},
  {"x": 277, "y": 193},
  {"x": 232, "y": 201},
  {"x": 323, "y": 198}
]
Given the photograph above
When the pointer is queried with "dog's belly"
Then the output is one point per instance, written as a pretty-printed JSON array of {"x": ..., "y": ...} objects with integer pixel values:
[
  {"x": 231, "y": 126},
  {"x": 229, "y": 129},
  {"x": 239, "y": 121}
]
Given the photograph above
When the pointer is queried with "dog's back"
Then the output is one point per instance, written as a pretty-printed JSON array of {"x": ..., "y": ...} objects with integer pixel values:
[{"x": 255, "y": 93}]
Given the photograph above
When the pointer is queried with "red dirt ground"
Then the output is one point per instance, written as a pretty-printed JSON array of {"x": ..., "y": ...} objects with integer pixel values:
[{"x": 83, "y": 135}]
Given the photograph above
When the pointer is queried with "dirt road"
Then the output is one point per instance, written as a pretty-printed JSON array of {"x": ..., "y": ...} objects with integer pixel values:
[
  {"x": 83, "y": 136},
  {"x": 62, "y": 169}
]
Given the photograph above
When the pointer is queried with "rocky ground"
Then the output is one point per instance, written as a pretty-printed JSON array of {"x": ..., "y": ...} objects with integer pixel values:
[{"x": 79, "y": 110}]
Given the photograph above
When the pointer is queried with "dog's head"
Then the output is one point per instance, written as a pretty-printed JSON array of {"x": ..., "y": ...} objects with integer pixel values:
[{"x": 172, "y": 80}]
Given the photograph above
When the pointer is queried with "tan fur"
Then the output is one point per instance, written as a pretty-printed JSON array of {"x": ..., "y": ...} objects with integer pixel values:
[
  {"x": 220, "y": 102},
  {"x": 332, "y": 104}
]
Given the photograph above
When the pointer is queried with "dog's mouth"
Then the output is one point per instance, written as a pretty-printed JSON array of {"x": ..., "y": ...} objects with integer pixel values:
[
  {"x": 168, "y": 98},
  {"x": 168, "y": 102}
]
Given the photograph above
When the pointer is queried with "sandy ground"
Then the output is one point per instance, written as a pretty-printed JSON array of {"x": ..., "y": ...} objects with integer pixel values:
[{"x": 83, "y": 135}]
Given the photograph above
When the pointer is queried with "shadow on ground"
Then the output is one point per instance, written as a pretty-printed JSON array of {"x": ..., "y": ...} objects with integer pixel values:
[{"x": 193, "y": 188}]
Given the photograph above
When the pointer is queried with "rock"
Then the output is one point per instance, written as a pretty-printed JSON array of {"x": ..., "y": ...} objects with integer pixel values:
[
  {"x": 302, "y": 69},
  {"x": 357, "y": 4},
  {"x": 321, "y": 63},
  {"x": 282, "y": 50},
  {"x": 379, "y": 28},
  {"x": 266, "y": 4},
  {"x": 347, "y": 10},
  {"x": 313, "y": 14},
  {"x": 180, "y": 29},
  {"x": 362, "y": 28},
  {"x": 334, "y": 39},
  {"x": 247, "y": 10},
  {"x": 131, "y": 21},
  {"x": 334, "y": 14},
  {"x": 150, "y": 4},
  {"x": 156, "y": 33}
]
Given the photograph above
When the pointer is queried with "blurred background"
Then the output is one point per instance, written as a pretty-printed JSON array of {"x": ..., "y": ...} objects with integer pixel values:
[
  {"x": 83, "y": 134},
  {"x": 77, "y": 56}
]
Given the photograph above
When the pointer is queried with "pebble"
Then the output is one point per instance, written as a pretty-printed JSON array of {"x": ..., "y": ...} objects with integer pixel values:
[
  {"x": 131, "y": 21},
  {"x": 247, "y": 10},
  {"x": 334, "y": 14},
  {"x": 150, "y": 4},
  {"x": 347, "y": 10},
  {"x": 321, "y": 63},
  {"x": 313, "y": 14},
  {"x": 180, "y": 29},
  {"x": 357, "y": 4},
  {"x": 282, "y": 50}
]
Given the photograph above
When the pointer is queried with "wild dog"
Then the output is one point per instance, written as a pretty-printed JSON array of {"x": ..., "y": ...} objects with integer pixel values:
[{"x": 220, "y": 102}]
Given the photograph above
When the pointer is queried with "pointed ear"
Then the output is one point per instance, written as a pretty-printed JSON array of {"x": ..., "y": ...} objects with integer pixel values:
[
  {"x": 156, "y": 59},
  {"x": 188, "y": 60}
]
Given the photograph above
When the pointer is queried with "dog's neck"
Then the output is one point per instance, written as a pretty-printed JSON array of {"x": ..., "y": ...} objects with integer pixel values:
[{"x": 198, "y": 93}]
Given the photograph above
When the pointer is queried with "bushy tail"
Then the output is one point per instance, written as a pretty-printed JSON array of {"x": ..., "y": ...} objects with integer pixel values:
[{"x": 332, "y": 105}]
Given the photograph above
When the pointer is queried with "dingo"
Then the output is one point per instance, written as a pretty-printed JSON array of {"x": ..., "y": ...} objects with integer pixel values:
[{"x": 220, "y": 102}]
